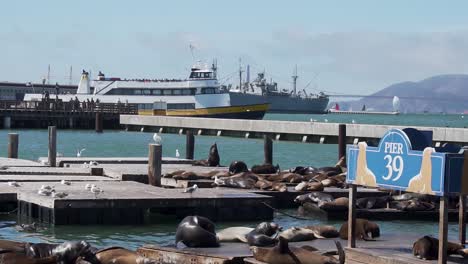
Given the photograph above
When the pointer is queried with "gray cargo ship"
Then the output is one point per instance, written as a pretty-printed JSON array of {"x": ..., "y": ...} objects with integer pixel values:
[{"x": 260, "y": 91}]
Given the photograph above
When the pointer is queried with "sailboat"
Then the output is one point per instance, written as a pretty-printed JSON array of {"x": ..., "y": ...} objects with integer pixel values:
[
  {"x": 363, "y": 108},
  {"x": 396, "y": 104}
]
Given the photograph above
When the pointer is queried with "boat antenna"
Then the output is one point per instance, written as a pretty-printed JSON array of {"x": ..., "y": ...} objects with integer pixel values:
[
  {"x": 294, "y": 77},
  {"x": 191, "y": 50},
  {"x": 240, "y": 74},
  {"x": 71, "y": 74},
  {"x": 48, "y": 74}
]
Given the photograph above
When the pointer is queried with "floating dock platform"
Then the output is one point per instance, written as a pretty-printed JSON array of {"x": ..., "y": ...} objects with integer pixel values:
[{"x": 340, "y": 112}]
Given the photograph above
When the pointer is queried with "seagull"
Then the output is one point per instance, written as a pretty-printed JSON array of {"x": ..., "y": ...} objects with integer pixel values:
[
  {"x": 177, "y": 154},
  {"x": 47, "y": 187},
  {"x": 78, "y": 153},
  {"x": 352, "y": 121},
  {"x": 44, "y": 192},
  {"x": 64, "y": 182},
  {"x": 326, "y": 120},
  {"x": 157, "y": 138},
  {"x": 93, "y": 163},
  {"x": 96, "y": 190},
  {"x": 217, "y": 181},
  {"x": 14, "y": 184},
  {"x": 191, "y": 189},
  {"x": 88, "y": 187}
]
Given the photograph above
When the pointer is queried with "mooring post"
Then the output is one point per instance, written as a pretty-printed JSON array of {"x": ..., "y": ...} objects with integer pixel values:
[
  {"x": 52, "y": 146},
  {"x": 98, "y": 122},
  {"x": 13, "y": 139},
  {"x": 268, "y": 149},
  {"x": 189, "y": 144},
  {"x": 443, "y": 229},
  {"x": 352, "y": 216},
  {"x": 341, "y": 141},
  {"x": 462, "y": 220},
  {"x": 154, "y": 164}
]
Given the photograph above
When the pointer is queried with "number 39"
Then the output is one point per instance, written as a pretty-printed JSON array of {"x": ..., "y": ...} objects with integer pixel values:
[{"x": 394, "y": 164}]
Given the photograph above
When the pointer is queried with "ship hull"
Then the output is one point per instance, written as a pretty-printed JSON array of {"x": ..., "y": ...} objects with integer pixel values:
[
  {"x": 231, "y": 112},
  {"x": 282, "y": 104}
]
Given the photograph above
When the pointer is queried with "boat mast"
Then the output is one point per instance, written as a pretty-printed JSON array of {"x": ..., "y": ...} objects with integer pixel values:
[
  {"x": 48, "y": 74},
  {"x": 71, "y": 74},
  {"x": 294, "y": 77},
  {"x": 240, "y": 74}
]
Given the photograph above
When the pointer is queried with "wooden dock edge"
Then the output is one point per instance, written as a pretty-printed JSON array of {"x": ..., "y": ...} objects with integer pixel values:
[
  {"x": 166, "y": 255},
  {"x": 365, "y": 256}
]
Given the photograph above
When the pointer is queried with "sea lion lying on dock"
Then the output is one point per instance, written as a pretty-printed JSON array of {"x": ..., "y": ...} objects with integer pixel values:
[
  {"x": 196, "y": 231},
  {"x": 262, "y": 234},
  {"x": 264, "y": 169},
  {"x": 314, "y": 197},
  {"x": 297, "y": 234},
  {"x": 427, "y": 248},
  {"x": 309, "y": 186},
  {"x": 116, "y": 255},
  {"x": 303, "y": 170},
  {"x": 324, "y": 231},
  {"x": 243, "y": 180},
  {"x": 363, "y": 228},
  {"x": 213, "y": 158},
  {"x": 284, "y": 254},
  {"x": 234, "y": 234},
  {"x": 412, "y": 205},
  {"x": 372, "y": 202},
  {"x": 238, "y": 167},
  {"x": 339, "y": 204}
]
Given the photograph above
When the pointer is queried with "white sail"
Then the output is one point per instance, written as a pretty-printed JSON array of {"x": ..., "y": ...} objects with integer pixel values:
[
  {"x": 396, "y": 104},
  {"x": 83, "y": 85}
]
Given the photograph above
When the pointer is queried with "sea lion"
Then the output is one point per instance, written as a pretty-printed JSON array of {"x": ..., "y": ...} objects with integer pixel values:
[
  {"x": 372, "y": 202},
  {"x": 171, "y": 174},
  {"x": 364, "y": 176},
  {"x": 330, "y": 182},
  {"x": 422, "y": 182},
  {"x": 262, "y": 234},
  {"x": 263, "y": 184},
  {"x": 264, "y": 169},
  {"x": 303, "y": 170},
  {"x": 363, "y": 228},
  {"x": 196, "y": 231},
  {"x": 409, "y": 196},
  {"x": 324, "y": 231},
  {"x": 412, "y": 205},
  {"x": 243, "y": 180},
  {"x": 311, "y": 209},
  {"x": 234, "y": 234},
  {"x": 213, "y": 158},
  {"x": 291, "y": 177},
  {"x": 11, "y": 257},
  {"x": 339, "y": 204},
  {"x": 238, "y": 167},
  {"x": 314, "y": 197},
  {"x": 118, "y": 255},
  {"x": 280, "y": 187},
  {"x": 427, "y": 248},
  {"x": 284, "y": 254},
  {"x": 297, "y": 234}
]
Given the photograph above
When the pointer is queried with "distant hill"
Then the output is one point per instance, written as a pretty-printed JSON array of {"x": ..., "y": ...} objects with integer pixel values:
[{"x": 444, "y": 93}]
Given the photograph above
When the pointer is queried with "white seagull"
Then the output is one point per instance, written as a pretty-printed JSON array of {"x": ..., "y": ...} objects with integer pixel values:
[
  {"x": 64, "y": 182},
  {"x": 14, "y": 184},
  {"x": 59, "y": 194},
  {"x": 191, "y": 189},
  {"x": 88, "y": 186},
  {"x": 78, "y": 153},
  {"x": 157, "y": 138},
  {"x": 177, "y": 154}
]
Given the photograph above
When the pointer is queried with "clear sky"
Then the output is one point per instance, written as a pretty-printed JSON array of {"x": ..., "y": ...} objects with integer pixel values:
[{"x": 354, "y": 46}]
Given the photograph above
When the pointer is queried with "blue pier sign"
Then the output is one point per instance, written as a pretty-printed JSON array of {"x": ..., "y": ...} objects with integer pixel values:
[{"x": 393, "y": 164}]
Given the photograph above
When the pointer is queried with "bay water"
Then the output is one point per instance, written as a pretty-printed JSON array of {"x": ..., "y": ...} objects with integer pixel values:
[{"x": 113, "y": 143}]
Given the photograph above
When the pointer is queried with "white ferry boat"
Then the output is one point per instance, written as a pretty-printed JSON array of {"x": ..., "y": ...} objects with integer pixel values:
[{"x": 197, "y": 96}]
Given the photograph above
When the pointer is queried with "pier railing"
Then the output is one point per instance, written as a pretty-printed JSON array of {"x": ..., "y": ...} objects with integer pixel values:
[{"x": 71, "y": 106}]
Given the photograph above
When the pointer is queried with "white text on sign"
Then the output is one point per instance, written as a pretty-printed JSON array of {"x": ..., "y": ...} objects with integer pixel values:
[{"x": 393, "y": 148}]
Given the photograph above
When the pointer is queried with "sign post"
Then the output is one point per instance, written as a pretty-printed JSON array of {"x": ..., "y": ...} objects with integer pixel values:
[{"x": 395, "y": 165}]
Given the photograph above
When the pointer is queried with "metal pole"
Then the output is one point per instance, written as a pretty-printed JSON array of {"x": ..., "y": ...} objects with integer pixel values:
[
  {"x": 52, "y": 146},
  {"x": 352, "y": 216},
  {"x": 443, "y": 229},
  {"x": 154, "y": 164},
  {"x": 268, "y": 149},
  {"x": 98, "y": 122},
  {"x": 462, "y": 220},
  {"x": 189, "y": 145},
  {"x": 13, "y": 145},
  {"x": 341, "y": 141}
]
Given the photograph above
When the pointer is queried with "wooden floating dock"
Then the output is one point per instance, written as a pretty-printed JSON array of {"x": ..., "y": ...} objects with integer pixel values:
[
  {"x": 307, "y": 132},
  {"x": 61, "y": 161},
  {"x": 127, "y": 202},
  {"x": 389, "y": 249}
]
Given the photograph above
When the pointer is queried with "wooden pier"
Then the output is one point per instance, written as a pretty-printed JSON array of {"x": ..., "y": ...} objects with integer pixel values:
[
  {"x": 73, "y": 114},
  {"x": 307, "y": 132}
]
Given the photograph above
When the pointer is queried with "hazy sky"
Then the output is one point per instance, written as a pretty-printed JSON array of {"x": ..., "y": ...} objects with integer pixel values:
[{"x": 339, "y": 46}]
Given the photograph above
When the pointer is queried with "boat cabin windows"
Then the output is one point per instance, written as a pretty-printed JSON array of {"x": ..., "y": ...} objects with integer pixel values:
[
  {"x": 167, "y": 92},
  {"x": 146, "y": 92},
  {"x": 156, "y": 92},
  {"x": 180, "y": 106},
  {"x": 209, "y": 90},
  {"x": 201, "y": 75},
  {"x": 176, "y": 92},
  {"x": 137, "y": 92},
  {"x": 149, "y": 92}
]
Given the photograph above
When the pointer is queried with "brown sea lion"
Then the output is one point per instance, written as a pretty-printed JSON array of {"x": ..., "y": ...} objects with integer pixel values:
[
  {"x": 291, "y": 177},
  {"x": 186, "y": 175},
  {"x": 427, "y": 248},
  {"x": 263, "y": 184},
  {"x": 213, "y": 158},
  {"x": 363, "y": 228},
  {"x": 339, "y": 204},
  {"x": 309, "y": 186},
  {"x": 412, "y": 205},
  {"x": 172, "y": 174},
  {"x": 262, "y": 235},
  {"x": 279, "y": 186},
  {"x": 244, "y": 180},
  {"x": 297, "y": 234},
  {"x": 314, "y": 197},
  {"x": 372, "y": 202},
  {"x": 118, "y": 255},
  {"x": 264, "y": 169},
  {"x": 330, "y": 182},
  {"x": 11, "y": 257},
  {"x": 282, "y": 253},
  {"x": 324, "y": 231}
]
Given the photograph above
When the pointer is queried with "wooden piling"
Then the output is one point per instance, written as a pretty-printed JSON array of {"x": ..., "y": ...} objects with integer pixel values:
[
  {"x": 189, "y": 145},
  {"x": 341, "y": 141},
  {"x": 98, "y": 122},
  {"x": 462, "y": 220},
  {"x": 13, "y": 139},
  {"x": 52, "y": 146},
  {"x": 268, "y": 149},
  {"x": 443, "y": 230},
  {"x": 352, "y": 216},
  {"x": 154, "y": 164}
]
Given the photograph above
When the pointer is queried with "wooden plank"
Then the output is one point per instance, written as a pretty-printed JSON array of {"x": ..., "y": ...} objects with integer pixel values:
[
  {"x": 352, "y": 217},
  {"x": 154, "y": 164},
  {"x": 13, "y": 141},
  {"x": 114, "y": 160},
  {"x": 52, "y": 146},
  {"x": 443, "y": 230}
]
